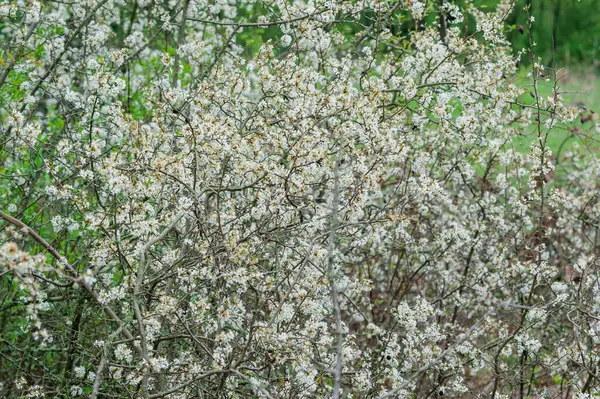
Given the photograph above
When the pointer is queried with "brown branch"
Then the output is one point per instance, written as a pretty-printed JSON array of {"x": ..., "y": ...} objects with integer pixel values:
[{"x": 257, "y": 24}]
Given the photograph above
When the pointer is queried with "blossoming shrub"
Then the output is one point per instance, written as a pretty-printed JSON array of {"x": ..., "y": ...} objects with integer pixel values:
[{"x": 288, "y": 199}]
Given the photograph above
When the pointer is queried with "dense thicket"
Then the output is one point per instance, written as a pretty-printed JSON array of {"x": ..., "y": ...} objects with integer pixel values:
[{"x": 288, "y": 199}]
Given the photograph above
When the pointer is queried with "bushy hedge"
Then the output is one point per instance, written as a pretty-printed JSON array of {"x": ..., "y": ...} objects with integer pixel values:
[{"x": 290, "y": 199}]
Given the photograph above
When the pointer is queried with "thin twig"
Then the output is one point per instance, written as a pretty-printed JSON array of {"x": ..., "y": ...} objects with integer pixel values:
[
  {"x": 334, "y": 292},
  {"x": 78, "y": 279}
]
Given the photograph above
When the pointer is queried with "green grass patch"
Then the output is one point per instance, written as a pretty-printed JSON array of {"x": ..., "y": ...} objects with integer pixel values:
[{"x": 579, "y": 88}]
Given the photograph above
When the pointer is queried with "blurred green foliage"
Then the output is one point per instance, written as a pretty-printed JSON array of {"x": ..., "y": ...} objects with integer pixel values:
[
  {"x": 571, "y": 27},
  {"x": 574, "y": 25}
]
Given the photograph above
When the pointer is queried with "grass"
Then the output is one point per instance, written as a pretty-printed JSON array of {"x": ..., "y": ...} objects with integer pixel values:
[{"x": 578, "y": 87}]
